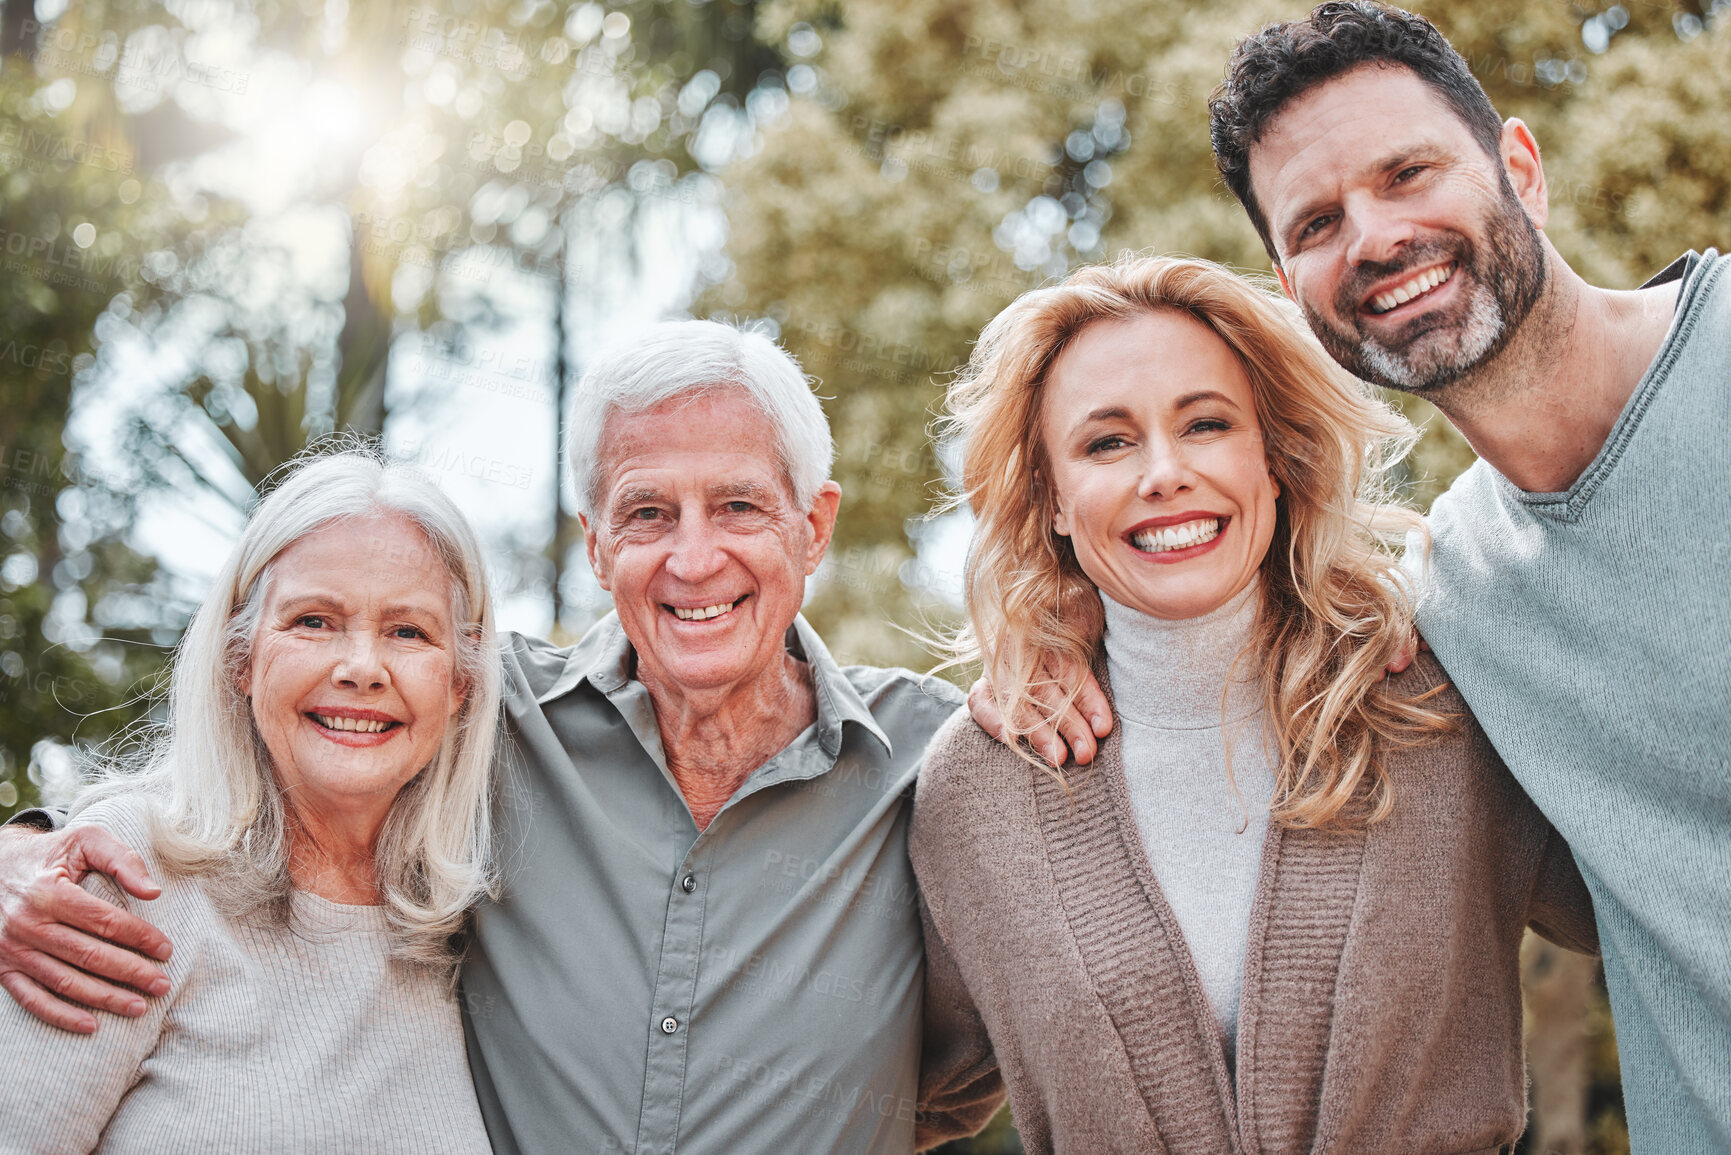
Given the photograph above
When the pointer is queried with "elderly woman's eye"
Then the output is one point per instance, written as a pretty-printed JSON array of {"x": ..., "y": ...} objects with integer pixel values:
[
  {"x": 412, "y": 632},
  {"x": 311, "y": 621}
]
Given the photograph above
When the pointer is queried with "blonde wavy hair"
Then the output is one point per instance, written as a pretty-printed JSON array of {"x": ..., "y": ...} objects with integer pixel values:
[
  {"x": 1335, "y": 606},
  {"x": 217, "y": 809}
]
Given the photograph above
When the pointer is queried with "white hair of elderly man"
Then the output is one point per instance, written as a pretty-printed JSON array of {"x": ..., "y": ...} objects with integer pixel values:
[{"x": 677, "y": 359}]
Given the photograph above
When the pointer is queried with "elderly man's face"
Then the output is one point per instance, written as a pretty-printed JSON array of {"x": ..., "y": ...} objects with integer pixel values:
[
  {"x": 698, "y": 538},
  {"x": 1400, "y": 238}
]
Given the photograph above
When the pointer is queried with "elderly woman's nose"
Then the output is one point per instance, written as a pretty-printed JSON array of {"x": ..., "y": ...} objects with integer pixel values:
[{"x": 361, "y": 662}]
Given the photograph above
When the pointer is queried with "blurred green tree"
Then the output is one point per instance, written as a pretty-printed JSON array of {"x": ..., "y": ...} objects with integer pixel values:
[{"x": 74, "y": 649}]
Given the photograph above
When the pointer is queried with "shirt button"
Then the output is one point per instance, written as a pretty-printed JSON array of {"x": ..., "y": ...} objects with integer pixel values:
[
  {"x": 669, "y": 1025},
  {"x": 688, "y": 883}
]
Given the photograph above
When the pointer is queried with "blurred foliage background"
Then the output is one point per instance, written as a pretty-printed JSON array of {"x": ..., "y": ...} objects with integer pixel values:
[{"x": 231, "y": 228}]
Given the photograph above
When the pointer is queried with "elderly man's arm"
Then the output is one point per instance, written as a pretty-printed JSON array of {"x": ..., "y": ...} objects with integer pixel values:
[
  {"x": 960, "y": 1087},
  {"x": 62, "y": 948}
]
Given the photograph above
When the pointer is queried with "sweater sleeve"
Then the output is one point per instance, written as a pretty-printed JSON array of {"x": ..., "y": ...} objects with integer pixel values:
[
  {"x": 61, "y": 1088},
  {"x": 1560, "y": 908},
  {"x": 960, "y": 1085}
]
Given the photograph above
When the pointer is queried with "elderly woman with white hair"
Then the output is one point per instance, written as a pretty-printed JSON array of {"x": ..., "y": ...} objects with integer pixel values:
[{"x": 317, "y": 808}]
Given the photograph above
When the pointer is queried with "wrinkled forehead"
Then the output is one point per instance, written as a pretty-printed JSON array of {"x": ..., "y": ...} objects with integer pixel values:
[{"x": 714, "y": 442}]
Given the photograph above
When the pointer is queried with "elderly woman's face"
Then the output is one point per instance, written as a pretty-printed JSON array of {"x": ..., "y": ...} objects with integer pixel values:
[
  {"x": 353, "y": 677},
  {"x": 699, "y": 540},
  {"x": 1158, "y": 464}
]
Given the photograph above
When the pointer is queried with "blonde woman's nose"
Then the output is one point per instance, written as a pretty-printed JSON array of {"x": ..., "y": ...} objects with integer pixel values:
[{"x": 1165, "y": 471}]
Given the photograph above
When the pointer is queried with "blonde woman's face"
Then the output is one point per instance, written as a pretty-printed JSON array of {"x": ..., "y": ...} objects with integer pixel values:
[
  {"x": 1158, "y": 465},
  {"x": 353, "y": 678}
]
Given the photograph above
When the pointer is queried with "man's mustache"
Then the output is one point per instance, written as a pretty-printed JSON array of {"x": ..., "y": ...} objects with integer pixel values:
[{"x": 1355, "y": 287}]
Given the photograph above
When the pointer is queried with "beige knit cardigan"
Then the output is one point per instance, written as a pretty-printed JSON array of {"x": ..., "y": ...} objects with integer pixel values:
[{"x": 1381, "y": 1006}]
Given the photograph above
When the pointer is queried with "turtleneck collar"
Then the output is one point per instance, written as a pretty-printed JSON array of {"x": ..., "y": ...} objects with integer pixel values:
[{"x": 1169, "y": 674}]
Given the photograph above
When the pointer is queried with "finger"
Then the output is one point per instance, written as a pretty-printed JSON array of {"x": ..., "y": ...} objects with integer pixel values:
[
  {"x": 81, "y": 910},
  {"x": 985, "y": 710},
  {"x": 30, "y": 995},
  {"x": 1092, "y": 704},
  {"x": 100, "y": 959},
  {"x": 71, "y": 985},
  {"x": 1048, "y": 744},
  {"x": 98, "y": 850},
  {"x": 1078, "y": 735}
]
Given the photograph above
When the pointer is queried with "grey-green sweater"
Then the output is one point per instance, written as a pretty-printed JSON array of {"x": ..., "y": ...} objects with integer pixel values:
[{"x": 1590, "y": 631}]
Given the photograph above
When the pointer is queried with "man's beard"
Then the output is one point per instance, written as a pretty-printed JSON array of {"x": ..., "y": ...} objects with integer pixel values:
[{"x": 1503, "y": 282}]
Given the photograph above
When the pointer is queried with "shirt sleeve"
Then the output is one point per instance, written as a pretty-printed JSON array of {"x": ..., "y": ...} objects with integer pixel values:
[
  {"x": 960, "y": 1086},
  {"x": 1560, "y": 907}
]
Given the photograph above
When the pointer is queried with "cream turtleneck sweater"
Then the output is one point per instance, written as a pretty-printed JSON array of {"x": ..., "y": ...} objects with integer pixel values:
[{"x": 1205, "y": 845}]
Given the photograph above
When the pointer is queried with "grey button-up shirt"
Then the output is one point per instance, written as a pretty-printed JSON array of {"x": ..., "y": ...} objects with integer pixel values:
[{"x": 755, "y": 987}]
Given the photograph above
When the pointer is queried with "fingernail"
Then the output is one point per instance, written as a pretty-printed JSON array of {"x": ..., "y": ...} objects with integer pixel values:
[
  {"x": 159, "y": 987},
  {"x": 135, "y": 1007},
  {"x": 162, "y": 952}
]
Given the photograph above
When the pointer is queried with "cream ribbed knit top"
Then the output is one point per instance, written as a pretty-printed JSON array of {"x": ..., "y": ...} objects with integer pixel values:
[{"x": 268, "y": 1040}]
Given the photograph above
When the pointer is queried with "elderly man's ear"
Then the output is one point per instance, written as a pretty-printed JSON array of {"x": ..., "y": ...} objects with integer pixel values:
[
  {"x": 589, "y": 549},
  {"x": 821, "y": 517}
]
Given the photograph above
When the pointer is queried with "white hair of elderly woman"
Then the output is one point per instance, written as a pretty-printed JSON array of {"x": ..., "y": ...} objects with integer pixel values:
[
  {"x": 219, "y": 809},
  {"x": 687, "y": 359}
]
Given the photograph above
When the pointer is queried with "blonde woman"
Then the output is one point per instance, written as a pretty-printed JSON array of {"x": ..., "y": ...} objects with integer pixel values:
[
  {"x": 1282, "y": 910},
  {"x": 317, "y": 813}
]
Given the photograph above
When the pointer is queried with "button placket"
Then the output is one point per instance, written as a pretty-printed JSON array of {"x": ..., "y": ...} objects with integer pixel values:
[{"x": 672, "y": 1010}]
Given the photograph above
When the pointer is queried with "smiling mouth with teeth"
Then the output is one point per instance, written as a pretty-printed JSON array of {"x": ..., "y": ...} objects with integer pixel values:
[
  {"x": 1414, "y": 287},
  {"x": 1172, "y": 537},
  {"x": 704, "y": 613},
  {"x": 353, "y": 725}
]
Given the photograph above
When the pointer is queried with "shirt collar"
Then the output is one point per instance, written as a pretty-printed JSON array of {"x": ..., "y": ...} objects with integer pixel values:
[{"x": 605, "y": 658}]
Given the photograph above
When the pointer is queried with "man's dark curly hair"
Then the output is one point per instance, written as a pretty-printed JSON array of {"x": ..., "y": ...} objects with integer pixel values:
[{"x": 1275, "y": 66}]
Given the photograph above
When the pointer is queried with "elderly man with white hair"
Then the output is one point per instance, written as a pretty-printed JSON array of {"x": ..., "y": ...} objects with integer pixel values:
[{"x": 708, "y": 938}]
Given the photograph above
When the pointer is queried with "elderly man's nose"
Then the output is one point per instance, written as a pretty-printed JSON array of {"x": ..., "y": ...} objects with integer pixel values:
[{"x": 697, "y": 553}]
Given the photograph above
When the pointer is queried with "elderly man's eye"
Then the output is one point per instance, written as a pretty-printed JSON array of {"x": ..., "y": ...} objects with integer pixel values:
[
  {"x": 739, "y": 507},
  {"x": 647, "y": 514}
]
